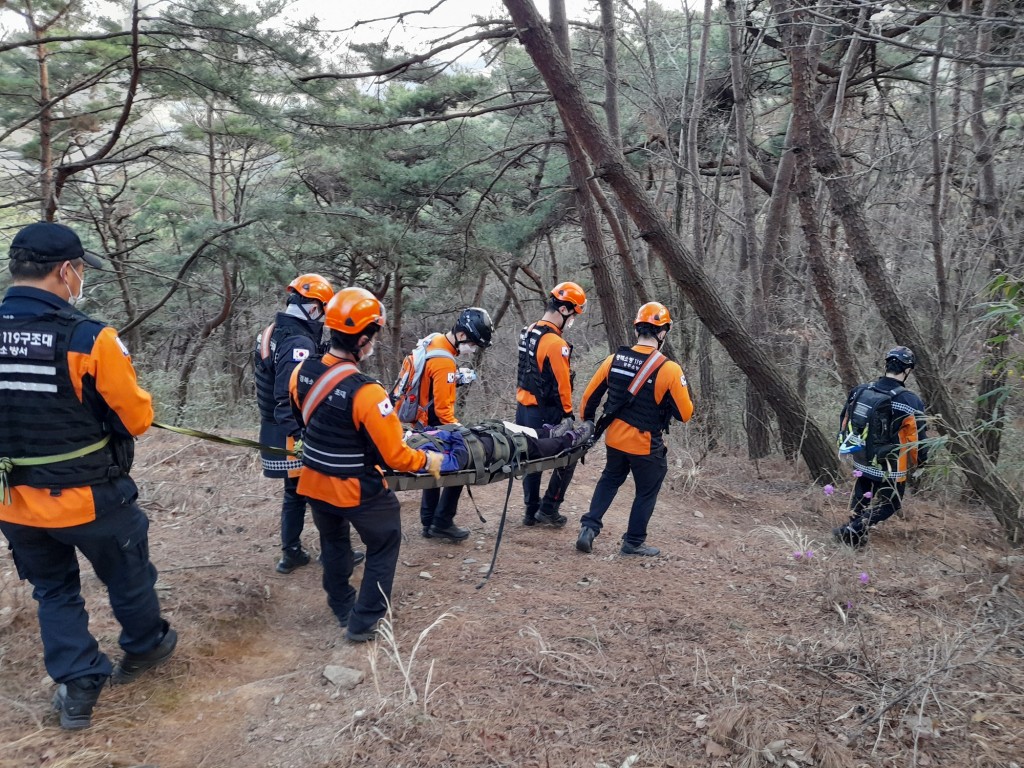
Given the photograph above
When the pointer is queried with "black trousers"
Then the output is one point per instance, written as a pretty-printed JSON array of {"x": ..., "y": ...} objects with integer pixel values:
[
  {"x": 535, "y": 417},
  {"x": 648, "y": 474},
  {"x": 874, "y": 501},
  {"x": 116, "y": 543},
  {"x": 379, "y": 525}
]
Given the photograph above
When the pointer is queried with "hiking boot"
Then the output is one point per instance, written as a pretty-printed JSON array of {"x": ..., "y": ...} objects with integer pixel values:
[
  {"x": 361, "y": 637},
  {"x": 850, "y": 536},
  {"x": 134, "y": 664},
  {"x": 292, "y": 559},
  {"x": 452, "y": 532},
  {"x": 75, "y": 700},
  {"x": 529, "y": 520},
  {"x": 582, "y": 433},
  {"x": 426, "y": 532},
  {"x": 585, "y": 543},
  {"x": 638, "y": 549},
  {"x": 553, "y": 519},
  {"x": 560, "y": 428}
]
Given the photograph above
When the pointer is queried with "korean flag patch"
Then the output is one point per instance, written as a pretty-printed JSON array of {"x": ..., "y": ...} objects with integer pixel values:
[
  {"x": 385, "y": 407},
  {"x": 298, "y": 355},
  {"x": 451, "y": 377},
  {"x": 565, "y": 352}
]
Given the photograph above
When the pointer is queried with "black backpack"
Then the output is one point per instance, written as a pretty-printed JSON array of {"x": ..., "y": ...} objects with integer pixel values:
[{"x": 871, "y": 433}]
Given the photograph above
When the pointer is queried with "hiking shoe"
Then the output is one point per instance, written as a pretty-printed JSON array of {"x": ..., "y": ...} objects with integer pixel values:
[
  {"x": 585, "y": 543},
  {"x": 361, "y": 637},
  {"x": 553, "y": 519},
  {"x": 560, "y": 428},
  {"x": 529, "y": 520},
  {"x": 292, "y": 559},
  {"x": 452, "y": 532},
  {"x": 75, "y": 700},
  {"x": 134, "y": 664},
  {"x": 582, "y": 433},
  {"x": 357, "y": 558},
  {"x": 850, "y": 536},
  {"x": 639, "y": 549},
  {"x": 426, "y": 532}
]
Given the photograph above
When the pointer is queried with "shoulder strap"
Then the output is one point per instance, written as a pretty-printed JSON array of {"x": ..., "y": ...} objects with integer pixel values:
[
  {"x": 265, "y": 341},
  {"x": 648, "y": 369},
  {"x": 331, "y": 378}
]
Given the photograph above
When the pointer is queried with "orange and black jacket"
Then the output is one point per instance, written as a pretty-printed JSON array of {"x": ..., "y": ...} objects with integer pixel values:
[
  {"x": 640, "y": 422},
  {"x": 544, "y": 377},
  {"x": 68, "y": 384},
  {"x": 437, "y": 386},
  {"x": 350, "y": 428}
]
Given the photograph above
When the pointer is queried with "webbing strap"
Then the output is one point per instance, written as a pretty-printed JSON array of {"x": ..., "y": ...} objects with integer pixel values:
[
  {"x": 240, "y": 441},
  {"x": 501, "y": 530},
  {"x": 651, "y": 364},
  {"x": 265, "y": 341},
  {"x": 7, "y": 464},
  {"x": 328, "y": 381}
]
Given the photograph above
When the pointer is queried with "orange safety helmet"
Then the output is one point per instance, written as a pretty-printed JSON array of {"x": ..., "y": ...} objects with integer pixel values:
[
  {"x": 312, "y": 286},
  {"x": 653, "y": 313},
  {"x": 353, "y": 310},
  {"x": 571, "y": 293}
]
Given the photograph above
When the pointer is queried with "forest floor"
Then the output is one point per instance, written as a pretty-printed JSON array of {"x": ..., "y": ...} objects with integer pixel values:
[{"x": 727, "y": 650}]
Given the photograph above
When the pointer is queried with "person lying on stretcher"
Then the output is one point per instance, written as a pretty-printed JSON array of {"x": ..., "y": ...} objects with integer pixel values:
[{"x": 491, "y": 444}]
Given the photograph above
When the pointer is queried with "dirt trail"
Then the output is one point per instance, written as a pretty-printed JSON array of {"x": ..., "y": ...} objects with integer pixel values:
[{"x": 724, "y": 646}]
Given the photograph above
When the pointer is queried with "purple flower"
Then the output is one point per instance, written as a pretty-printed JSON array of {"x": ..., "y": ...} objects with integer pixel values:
[
  {"x": 858, "y": 473},
  {"x": 864, "y": 578},
  {"x": 829, "y": 489},
  {"x": 868, "y": 494},
  {"x": 849, "y": 605},
  {"x": 797, "y": 555},
  {"x": 809, "y": 554}
]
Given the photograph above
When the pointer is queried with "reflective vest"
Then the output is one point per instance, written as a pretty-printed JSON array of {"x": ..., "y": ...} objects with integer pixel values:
[
  {"x": 331, "y": 443},
  {"x": 643, "y": 412},
  {"x": 41, "y": 415},
  {"x": 539, "y": 383}
]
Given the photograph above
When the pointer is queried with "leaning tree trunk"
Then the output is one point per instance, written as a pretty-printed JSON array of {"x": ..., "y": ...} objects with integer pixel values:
[
  {"x": 703, "y": 295},
  {"x": 968, "y": 453}
]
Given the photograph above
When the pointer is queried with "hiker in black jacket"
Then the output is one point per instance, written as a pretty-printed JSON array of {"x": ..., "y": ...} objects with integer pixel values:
[{"x": 883, "y": 456}]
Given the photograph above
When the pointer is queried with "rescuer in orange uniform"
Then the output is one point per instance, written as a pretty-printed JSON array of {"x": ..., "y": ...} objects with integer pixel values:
[
  {"x": 472, "y": 331},
  {"x": 646, "y": 391},
  {"x": 71, "y": 409},
  {"x": 544, "y": 393},
  {"x": 349, "y": 427}
]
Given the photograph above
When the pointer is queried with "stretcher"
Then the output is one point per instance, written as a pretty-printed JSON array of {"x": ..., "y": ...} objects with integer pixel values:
[{"x": 407, "y": 481}]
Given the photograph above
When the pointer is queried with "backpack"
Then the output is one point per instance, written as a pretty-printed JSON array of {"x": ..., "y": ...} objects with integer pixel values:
[
  {"x": 510, "y": 445},
  {"x": 406, "y": 393},
  {"x": 871, "y": 433}
]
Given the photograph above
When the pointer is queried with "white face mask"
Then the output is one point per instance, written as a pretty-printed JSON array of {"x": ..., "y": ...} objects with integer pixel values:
[
  {"x": 368, "y": 351},
  {"x": 569, "y": 323},
  {"x": 314, "y": 310},
  {"x": 74, "y": 299},
  {"x": 467, "y": 348}
]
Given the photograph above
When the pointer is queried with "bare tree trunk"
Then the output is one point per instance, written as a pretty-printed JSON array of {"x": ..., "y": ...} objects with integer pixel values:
[
  {"x": 968, "y": 453},
  {"x": 938, "y": 188},
  {"x": 703, "y": 295},
  {"x": 593, "y": 238},
  {"x": 990, "y": 411},
  {"x": 757, "y": 422}
]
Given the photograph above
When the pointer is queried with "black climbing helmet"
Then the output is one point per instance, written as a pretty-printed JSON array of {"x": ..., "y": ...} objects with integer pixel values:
[
  {"x": 476, "y": 324},
  {"x": 899, "y": 359}
]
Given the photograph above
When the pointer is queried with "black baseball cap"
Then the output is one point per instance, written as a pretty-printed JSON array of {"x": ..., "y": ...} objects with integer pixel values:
[{"x": 46, "y": 242}]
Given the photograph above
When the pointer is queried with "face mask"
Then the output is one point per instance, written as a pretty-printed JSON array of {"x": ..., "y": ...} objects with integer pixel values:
[
  {"x": 569, "y": 323},
  {"x": 74, "y": 299},
  {"x": 368, "y": 351},
  {"x": 313, "y": 310},
  {"x": 468, "y": 348}
]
